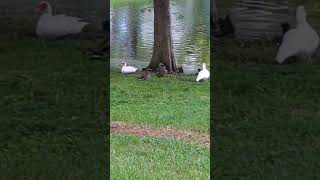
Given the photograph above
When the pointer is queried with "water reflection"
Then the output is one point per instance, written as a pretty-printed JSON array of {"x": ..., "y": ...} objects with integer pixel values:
[{"x": 132, "y": 33}]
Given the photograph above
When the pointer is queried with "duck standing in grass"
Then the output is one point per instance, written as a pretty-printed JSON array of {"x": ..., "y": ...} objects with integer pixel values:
[
  {"x": 204, "y": 74},
  {"x": 300, "y": 41},
  {"x": 162, "y": 71},
  {"x": 127, "y": 69},
  {"x": 145, "y": 75},
  {"x": 54, "y": 26}
]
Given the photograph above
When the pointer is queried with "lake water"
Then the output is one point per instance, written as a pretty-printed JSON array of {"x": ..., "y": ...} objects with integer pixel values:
[
  {"x": 255, "y": 19},
  {"x": 131, "y": 27}
]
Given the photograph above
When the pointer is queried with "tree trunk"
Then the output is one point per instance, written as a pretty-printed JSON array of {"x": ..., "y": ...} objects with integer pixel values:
[
  {"x": 132, "y": 31},
  {"x": 163, "y": 45}
]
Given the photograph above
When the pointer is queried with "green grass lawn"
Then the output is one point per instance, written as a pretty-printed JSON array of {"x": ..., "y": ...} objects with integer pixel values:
[
  {"x": 174, "y": 100},
  {"x": 267, "y": 117},
  {"x": 155, "y": 158},
  {"x": 52, "y": 101}
]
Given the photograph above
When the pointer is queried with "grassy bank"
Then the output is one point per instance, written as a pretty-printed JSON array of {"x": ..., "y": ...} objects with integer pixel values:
[
  {"x": 267, "y": 116},
  {"x": 52, "y": 99},
  {"x": 176, "y": 101},
  {"x": 157, "y": 158}
]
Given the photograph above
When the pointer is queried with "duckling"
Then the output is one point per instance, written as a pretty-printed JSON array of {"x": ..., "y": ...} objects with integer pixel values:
[
  {"x": 145, "y": 75},
  {"x": 162, "y": 71}
]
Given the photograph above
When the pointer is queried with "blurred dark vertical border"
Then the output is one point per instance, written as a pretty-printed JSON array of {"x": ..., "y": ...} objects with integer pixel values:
[
  {"x": 264, "y": 115},
  {"x": 212, "y": 84},
  {"x": 108, "y": 95},
  {"x": 54, "y": 94}
]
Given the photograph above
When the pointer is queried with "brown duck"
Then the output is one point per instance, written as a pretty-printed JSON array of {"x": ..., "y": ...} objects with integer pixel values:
[
  {"x": 145, "y": 75},
  {"x": 162, "y": 71}
]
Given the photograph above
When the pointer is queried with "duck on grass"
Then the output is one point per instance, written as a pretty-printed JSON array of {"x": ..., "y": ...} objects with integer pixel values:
[
  {"x": 54, "y": 26},
  {"x": 202, "y": 74},
  {"x": 301, "y": 41}
]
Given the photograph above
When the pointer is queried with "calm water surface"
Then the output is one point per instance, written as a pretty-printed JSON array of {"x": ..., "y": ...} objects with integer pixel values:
[{"x": 131, "y": 25}]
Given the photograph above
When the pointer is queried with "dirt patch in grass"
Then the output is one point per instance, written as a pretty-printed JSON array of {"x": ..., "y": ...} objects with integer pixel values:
[{"x": 166, "y": 132}]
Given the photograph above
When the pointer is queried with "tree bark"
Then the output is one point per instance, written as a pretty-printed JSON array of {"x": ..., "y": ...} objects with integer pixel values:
[
  {"x": 163, "y": 45},
  {"x": 133, "y": 31}
]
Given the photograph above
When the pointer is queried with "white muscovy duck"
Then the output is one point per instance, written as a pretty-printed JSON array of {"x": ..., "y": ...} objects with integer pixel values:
[
  {"x": 53, "y": 26},
  {"x": 127, "y": 69},
  {"x": 204, "y": 74},
  {"x": 300, "y": 41}
]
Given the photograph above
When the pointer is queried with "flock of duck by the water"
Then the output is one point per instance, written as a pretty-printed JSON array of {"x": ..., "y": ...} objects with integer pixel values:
[
  {"x": 161, "y": 71},
  {"x": 51, "y": 26},
  {"x": 301, "y": 41}
]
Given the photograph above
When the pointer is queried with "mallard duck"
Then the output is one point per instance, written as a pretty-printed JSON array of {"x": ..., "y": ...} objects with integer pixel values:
[
  {"x": 162, "y": 71},
  {"x": 145, "y": 75},
  {"x": 127, "y": 69},
  {"x": 53, "y": 26},
  {"x": 302, "y": 40},
  {"x": 204, "y": 74}
]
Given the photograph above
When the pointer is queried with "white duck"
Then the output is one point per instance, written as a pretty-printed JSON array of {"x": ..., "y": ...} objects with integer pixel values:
[
  {"x": 127, "y": 69},
  {"x": 300, "y": 41},
  {"x": 53, "y": 26},
  {"x": 204, "y": 74}
]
